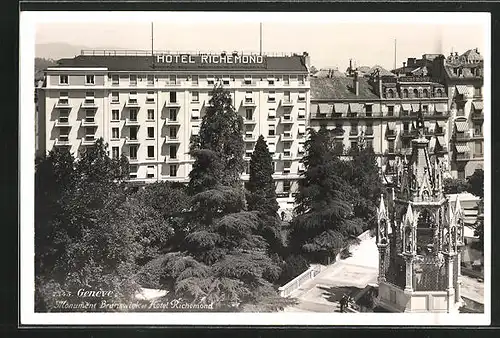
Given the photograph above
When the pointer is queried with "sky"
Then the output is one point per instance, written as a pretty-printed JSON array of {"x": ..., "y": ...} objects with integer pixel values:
[{"x": 330, "y": 43}]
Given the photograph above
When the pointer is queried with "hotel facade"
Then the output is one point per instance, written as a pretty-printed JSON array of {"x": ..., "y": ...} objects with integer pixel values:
[{"x": 148, "y": 106}]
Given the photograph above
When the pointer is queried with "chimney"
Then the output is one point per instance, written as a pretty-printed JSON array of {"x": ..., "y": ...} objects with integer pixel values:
[
  {"x": 350, "y": 66},
  {"x": 477, "y": 50},
  {"x": 356, "y": 83},
  {"x": 404, "y": 64},
  {"x": 379, "y": 80},
  {"x": 307, "y": 60}
]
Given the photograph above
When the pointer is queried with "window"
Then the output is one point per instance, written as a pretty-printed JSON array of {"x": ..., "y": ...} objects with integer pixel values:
[
  {"x": 115, "y": 115},
  {"x": 354, "y": 144},
  {"x": 415, "y": 93},
  {"x": 425, "y": 93},
  {"x": 247, "y": 80},
  {"x": 225, "y": 81},
  {"x": 271, "y": 97},
  {"x": 478, "y": 148},
  {"x": 301, "y": 148},
  {"x": 132, "y": 98},
  {"x": 63, "y": 98},
  {"x": 248, "y": 97},
  {"x": 150, "y": 97},
  {"x": 406, "y": 126},
  {"x": 477, "y": 91},
  {"x": 115, "y": 133},
  {"x": 461, "y": 174},
  {"x": 195, "y": 130},
  {"x": 301, "y": 79},
  {"x": 286, "y": 166},
  {"x": 114, "y": 97},
  {"x": 287, "y": 111},
  {"x": 133, "y": 154},
  {"x": 272, "y": 130},
  {"x": 63, "y": 79},
  {"x": 286, "y": 97},
  {"x": 195, "y": 96},
  {"x": 63, "y": 116},
  {"x": 273, "y": 164},
  {"x": 115, "y": 152},
  {"x": 173, "y": 79},
  {"x": 270, "y": 81},
  {"x": 391, "y": 145},
  {"x": 369, "y": 129},
  {"x": 390, "y": 110},
  {"x": 173, "y": 151},
  {"x": 478, "y": 129},
  {"x": 133, "y": 114},
  {"x": 173, "y": 170},
  {"x": 89, "y": 79},
  {"x": 369, "y": 144},
  {"x": 210, "y": 81},
  {"x": 249, "y": 114},
  {"x": 89, "y": 115},
  {"x": 302, "y": 113},
  {"x": 151, "y": 132},
  {"x": 195, "y": 113},
  {"x": 405, "y": 93},
  {"x": 286, "y": 79},
  {"x": 272, "y": 113},
  {"x": 151, "y": 171},
  {"x": 172, "y": 114},
  {"x": 151, "y": 80},
  {"x": 151, "y": 114},
  {"x": 151, "y": 151},
  {"x": 301, "y": 131},
  {"x": 194, "y": 80},
  {"x": 63, "y": 134},
  {"x": 439, "y": 93},
  {"x": 133, "y": 80},
  {"x": 287, "y": 131},
  {"x": 89, "y": 133},
  {"x": 133, "y": 171},
  {"x": 133, "y": 133},
  {"x": 286, "y": 186},
  {"x": 115, "y": 80},
  {"x": 172, "y": 133},
  {"x": 89, "y": 97},
  {"x": 173, "y": 97},
  {"x": 368, "y": 109},
  {"x": 354, "y": 129},
  {"x": 302, "y": 96}
]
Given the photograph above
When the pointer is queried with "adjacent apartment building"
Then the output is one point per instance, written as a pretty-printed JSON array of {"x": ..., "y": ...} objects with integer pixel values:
[
  {"x": 463, "y": 78},
  {"x": 383, "y": 108},
  {"x": 147, "y": 106}
]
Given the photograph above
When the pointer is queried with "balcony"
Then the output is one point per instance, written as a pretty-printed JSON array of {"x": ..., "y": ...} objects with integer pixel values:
[
  {"x": 172, "y": 140},
  {"x": 353, "y": 133},
  {"x": 172, "y": 122},
  {"x": 250, "y": 138},
  {"x": 322, "y": 116},
  {"x": 390, "y": 134},
  {"x": 477, "y": 116},
  {"x": 132, "y": 103},
  {"x": 131, "y": 122},
  {"x": 131, "y": 140},
  {"x": 465, "y": 136},
  {"x": 62, "y": 103},
  {"x": 88, "y": 140},
  {"x": 89, "y": 104},
  {"x": 287, "y": 102},
  {"x": 63, "y": 123},
  {"x": 62, "y": 141},
  {"x": 409, "y": 133},
  {"x": 89, "y": 122},
  {"x": 287, "y": 154},
  {"x": 286, "y": 119},
  {"x": 287, "y": 136},
  {"x": 250, "y": 121},
  {"x": 172, "y": 104},
  {"x": 462, "y": 156},
  {"x": 248, "y": 103},
  {"x": 477, "y": 135}
]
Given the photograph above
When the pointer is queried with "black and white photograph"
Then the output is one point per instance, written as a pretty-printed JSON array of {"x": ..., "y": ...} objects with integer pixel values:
[{"x": 240, "y": 168}]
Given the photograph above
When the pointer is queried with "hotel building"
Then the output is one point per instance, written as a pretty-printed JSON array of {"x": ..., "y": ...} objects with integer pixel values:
[
  {"x": 147, "y": 107},
  {"x": 384, "y": 108},
  {"x": 462, "y": 76}
]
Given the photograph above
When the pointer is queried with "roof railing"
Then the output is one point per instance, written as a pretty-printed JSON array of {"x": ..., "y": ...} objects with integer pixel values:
[{"x": 143, "y": 52}]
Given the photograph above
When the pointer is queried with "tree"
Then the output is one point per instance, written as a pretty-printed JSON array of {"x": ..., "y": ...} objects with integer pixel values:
[
  {"x": 223, "y": 258},
  {"x": 475, "y": 183},
  {"x": 324, "y": 203},
  {"x": 262, "y": 192},
  {"x": 454, "y": 185},
  {"x": 89, "y": 235}
]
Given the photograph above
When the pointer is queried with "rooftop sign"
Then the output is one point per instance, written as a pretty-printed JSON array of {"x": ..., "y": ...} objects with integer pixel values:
[{"x": 208, "y": 59}]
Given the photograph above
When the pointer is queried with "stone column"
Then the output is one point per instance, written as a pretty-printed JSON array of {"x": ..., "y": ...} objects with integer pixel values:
[
  {"x": 381, "y": 262},
  {"x": 409, "y": 274},
  {"x": 450, "y": 289}
]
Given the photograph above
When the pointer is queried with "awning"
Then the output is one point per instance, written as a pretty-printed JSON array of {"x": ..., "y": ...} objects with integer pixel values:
[
  {"x": 324, "y": 108},
  {"x": 478, "y": 105},
  {"x": 415, "y": 107},
  {"x": 340, "y": 108},
  {"x": 462, "y": 147},
  {"x": 355, "y": 107},
  {"x": 461, "y": 89},
  {"x": 441, "y": 140},
  {"x": 441, "y": 124},
  {"x": 391, "y": 125},
  {"x": 302, "y": 129},
  {"x": 376, "y": 108},
  {"x": 462, "y": 126},
  {"x": 314, "y": 108},
  {"x": 195, "y": 113},
  {"x": 406, "y": 107},
  {"x": 440, "y": 107}
]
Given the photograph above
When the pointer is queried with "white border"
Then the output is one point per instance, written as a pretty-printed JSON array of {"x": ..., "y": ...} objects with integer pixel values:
[{"x": 28, "y": 21}]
